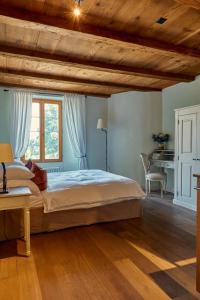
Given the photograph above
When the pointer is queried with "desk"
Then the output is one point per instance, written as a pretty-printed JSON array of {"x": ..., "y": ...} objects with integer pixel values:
[
  {"x": 166, "y": 166},
  {"x": 169, "y": 164}
]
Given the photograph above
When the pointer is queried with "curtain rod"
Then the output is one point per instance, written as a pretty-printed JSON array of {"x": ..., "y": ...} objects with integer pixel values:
[
  {"x": 57, "y": 94},
  {"x": 41, "y": 93},
  {"x": 53, "y": 95},
  {"x": 8, "y": 88}
]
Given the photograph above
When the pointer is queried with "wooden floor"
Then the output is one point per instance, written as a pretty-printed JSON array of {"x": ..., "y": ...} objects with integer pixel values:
[{"x": 150, "y": 258}]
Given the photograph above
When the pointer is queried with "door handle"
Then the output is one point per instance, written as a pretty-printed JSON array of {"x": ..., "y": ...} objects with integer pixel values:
[
  {"x": 197, "y": 188},
  {"x": 195, "y": 159}
]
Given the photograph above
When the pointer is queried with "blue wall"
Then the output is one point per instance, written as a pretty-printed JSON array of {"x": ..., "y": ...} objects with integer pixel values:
[
  {"x": 4, "y": 117},
  {"x": 95, "y": 108},
  {"x": 96, "y": 146},
  {"x": 132, "y": 118},
  {"x": 177, "y": 96}
]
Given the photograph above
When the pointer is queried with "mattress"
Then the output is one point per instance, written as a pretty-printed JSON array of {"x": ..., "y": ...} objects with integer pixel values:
[
  {"x": 86, "y": 189},
  {"x": 81, "y": 189}
]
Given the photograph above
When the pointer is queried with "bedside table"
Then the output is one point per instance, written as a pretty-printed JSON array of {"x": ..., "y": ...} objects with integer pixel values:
[{"x": 19, "y": 197}]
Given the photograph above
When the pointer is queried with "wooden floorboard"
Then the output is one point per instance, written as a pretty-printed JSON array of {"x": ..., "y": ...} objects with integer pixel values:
[{"x": 149, "y": 258}]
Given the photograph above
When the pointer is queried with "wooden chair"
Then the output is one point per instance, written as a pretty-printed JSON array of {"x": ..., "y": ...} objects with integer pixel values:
[{"x": 152, "y": 176}]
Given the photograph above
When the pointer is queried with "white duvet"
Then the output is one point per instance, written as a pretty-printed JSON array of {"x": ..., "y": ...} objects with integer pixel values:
[{"x": 87, "y": 188}]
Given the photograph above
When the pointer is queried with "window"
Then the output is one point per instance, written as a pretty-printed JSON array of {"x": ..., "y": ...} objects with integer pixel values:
[{"x": 45, "y": 143}]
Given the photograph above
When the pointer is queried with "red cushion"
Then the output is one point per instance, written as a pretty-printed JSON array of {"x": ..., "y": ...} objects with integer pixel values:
[
  {"x": 29, "y": 164},
  {"x": 40, "y": 178}
]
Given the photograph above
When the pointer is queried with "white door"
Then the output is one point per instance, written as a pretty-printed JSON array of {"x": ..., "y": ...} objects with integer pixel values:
[
  {"x": 187, "y": 156},
  {"x": 197, "y": 162}
]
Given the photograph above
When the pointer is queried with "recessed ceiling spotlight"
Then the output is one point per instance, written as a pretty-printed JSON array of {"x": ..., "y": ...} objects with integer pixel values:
[
  {"x": 77, "y": 9},
  {"x": 161, "y": 20}
]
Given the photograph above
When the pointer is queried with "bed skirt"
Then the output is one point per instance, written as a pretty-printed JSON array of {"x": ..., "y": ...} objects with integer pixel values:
[{"x": 11, "y": 222}]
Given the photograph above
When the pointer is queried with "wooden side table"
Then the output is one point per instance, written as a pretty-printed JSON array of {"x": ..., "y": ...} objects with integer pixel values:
[{"x": 19, "y": 197}]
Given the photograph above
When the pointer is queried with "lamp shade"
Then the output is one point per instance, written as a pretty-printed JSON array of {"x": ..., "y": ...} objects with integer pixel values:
[
  {"x": 6, "y": 154},
  {"x": 101, "y": 124}
]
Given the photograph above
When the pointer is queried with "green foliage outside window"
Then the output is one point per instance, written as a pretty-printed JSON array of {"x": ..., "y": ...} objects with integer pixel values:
[{"x": 51, "y": 133}]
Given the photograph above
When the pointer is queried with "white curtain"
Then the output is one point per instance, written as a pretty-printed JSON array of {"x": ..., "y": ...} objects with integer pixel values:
[
  {"x": 74, "y": 114},
  {"x": 20, "y": 118}
]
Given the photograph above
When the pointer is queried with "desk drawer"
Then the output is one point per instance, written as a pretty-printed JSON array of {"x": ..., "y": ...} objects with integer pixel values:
[
  {"x": 163, "y": 164},
  {"x": 169, "y": 164}
]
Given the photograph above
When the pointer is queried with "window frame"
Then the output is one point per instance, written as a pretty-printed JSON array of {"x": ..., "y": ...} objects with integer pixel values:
[{"x": 42, "y": 103}]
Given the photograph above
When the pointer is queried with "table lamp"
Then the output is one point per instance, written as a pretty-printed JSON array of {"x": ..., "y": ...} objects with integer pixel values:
[
  {"x": 101, "y": 124},
  {"x": 6, "y": 156}
]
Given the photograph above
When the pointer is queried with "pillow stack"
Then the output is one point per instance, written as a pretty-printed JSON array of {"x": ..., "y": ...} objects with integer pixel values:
[
  {"x": 17, "y": 172},
  {"x": 18, "y": 175},
  {"x": 29, "y": 175}
]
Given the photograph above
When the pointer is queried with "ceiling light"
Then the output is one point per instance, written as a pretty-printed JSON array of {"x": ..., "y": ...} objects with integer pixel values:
[{"x": 77, "y": 9}]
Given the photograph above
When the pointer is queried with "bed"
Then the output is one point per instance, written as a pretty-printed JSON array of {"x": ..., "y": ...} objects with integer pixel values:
[{"x": 75, "y": 198}]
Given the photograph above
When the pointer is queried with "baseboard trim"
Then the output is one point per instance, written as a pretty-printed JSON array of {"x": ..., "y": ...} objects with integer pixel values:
[{"x": 184, "y": 204}]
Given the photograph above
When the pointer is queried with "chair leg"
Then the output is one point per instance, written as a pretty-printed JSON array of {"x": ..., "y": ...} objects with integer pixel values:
[
  {"x": 165, "y": 184},
  {"x": 146, "y": 187},
  {"x": 149, "y": 186},
  {"x": 162, "y": 188}
]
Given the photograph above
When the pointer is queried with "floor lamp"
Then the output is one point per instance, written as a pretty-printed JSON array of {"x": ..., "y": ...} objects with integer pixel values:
[{"x": 101, "y": 124}]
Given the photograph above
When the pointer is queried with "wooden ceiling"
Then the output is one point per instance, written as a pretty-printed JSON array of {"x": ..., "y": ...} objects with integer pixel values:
[{"x": 114, "y": 46}]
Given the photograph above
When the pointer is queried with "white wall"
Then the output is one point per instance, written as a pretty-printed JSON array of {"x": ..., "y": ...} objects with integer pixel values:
[
  {"x": 96, "y": 147},
  {"x": 4, "y": 116},
  {"x": 177, "y": 96},
  {"x": 132, "y": 118}
]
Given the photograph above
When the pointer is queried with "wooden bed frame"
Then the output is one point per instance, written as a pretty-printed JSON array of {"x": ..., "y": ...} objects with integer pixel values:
[{"x": 11, "y": 222}]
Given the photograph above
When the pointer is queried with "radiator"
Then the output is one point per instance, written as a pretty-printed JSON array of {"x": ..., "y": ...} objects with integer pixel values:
[{"x": 54, "y": 169}]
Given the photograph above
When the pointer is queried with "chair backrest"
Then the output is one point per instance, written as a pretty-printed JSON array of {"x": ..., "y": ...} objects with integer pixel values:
[{"x": 145, "y": 161}]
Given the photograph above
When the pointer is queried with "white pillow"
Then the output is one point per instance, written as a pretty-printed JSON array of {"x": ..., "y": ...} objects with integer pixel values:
[
  {"x": 18, "y": 183},
  {"x": 17, "y": 172},
  {"x": 16, "y": 162}
]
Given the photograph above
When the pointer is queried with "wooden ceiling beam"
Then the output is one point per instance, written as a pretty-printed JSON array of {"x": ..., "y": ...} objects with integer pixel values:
[
  {"x": 91, "y": 65},
  {"x": 191, "y": 3},
  {"x": 50, "y": 90},
  {"x": 65, "y": 26},
  {"x": 69, "y": 80}
]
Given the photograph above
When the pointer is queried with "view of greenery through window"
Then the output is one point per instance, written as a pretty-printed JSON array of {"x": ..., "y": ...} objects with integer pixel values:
[
  {"x": 51, "y": 131},
  {"x": 44, "y": 142},
  {"x": 33, "y": 150}
]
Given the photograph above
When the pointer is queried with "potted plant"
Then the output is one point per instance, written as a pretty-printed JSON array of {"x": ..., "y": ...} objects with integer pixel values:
[{"x": 161, "y": 139}]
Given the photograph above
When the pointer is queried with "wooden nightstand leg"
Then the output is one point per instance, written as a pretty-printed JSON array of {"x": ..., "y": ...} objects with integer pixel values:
[
  {"x": 24, "y": 225},
  {"x": 27, "y": 230}
]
